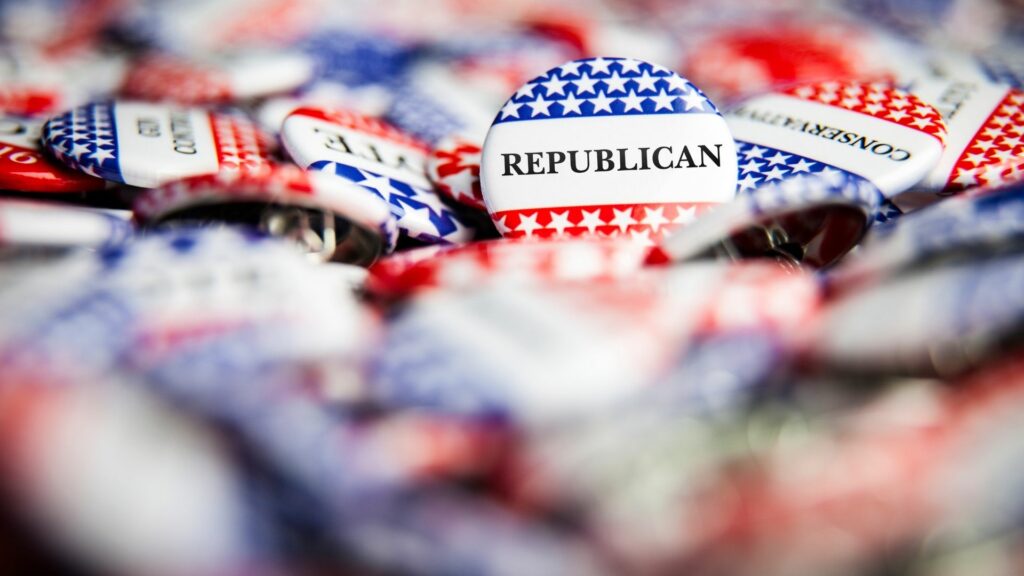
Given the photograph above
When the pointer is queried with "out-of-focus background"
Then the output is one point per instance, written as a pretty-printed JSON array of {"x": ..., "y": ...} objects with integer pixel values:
[{"x": 209, "y": 400}]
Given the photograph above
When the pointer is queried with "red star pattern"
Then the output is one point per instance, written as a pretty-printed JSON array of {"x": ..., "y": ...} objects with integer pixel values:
[
  {"x": 761, "y": 294},
  {"x": 876, "y": 99},
  {"x": 646, "y": 223},
  {"x": 166, "y": 78},
  {"x": 995, "y": 155},
  {"x": 454, "y": 169},
  {"x": 240, "y": 144},
  {"x": 363, "y": 124}
]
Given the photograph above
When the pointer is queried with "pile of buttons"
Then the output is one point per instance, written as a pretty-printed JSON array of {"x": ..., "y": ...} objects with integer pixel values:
[{"x": 465, "y": 287}]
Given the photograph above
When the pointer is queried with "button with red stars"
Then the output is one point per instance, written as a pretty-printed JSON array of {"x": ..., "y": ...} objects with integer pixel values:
[
  {"x": 883, "y": 134},
  {"x": 985, "y": 145},
  {"x": 216, "y": 79},
  {"x": 147, "y": 145},
  {"x": 24, "y": 169},
  {"x": 609, "y": 146},
  {"x": 379, "y": 158},
  {"x": 332, "y": 219}
]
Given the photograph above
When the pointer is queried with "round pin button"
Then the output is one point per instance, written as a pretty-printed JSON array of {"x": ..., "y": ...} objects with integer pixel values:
[
  {"x": 883, "y": 134},
  {"x": 811, "y": 218},
  {"x": 607, "y": 146},
  {"x": 216, "y": 79},
  {"x": 379, "y": 158},
  {"x": 146, "y": 145},
  {"x": 332, "y": 219},
  {"x": 985, "y": 145},
  {"x": 24, "y": 169}
]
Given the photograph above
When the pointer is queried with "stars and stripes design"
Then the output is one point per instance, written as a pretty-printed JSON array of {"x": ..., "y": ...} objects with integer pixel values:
[
  {"x": 420, "y": 213},
  {"x": 604, "y": 87},
  {"x": 178, "y": 80},
  {"x": 644, "y": 223},
  {"x": 760, "y": 165},
  {"x": 84, "y": 139},
  {"x": 996, "y": 153},
  {"x": 454, "y": 169},
  {"x": 877, "y": 99}
]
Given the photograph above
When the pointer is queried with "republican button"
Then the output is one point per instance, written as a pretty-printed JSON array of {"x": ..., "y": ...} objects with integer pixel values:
[
  {"x": 609, "y": 146},
  {"x": 147, "y": 145},
  {"x": 985, "y": 145},
  {"x": 23, "y": 168},
  {"x": 379, "y": 158},
  {"x": 883, "y": 134}
]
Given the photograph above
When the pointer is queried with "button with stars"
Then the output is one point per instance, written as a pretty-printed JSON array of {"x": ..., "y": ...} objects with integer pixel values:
[
  {"x": 147, "y": 145},
  {"x": 379, "y": 158},
  {"x": 880, "y": 133},
  {"x": 985, "y": 145},
  {"x": 606, "y": 146},
  {"x": 330, "y": 218},
  {"x": 23, "y": 168},
  {"x": 810, "y": 219}
]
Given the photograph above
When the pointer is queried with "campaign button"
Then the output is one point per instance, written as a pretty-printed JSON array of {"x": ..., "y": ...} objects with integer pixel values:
[
  {"x": 454, "y": 168},
  {"x": 147, "y": 145},
  {"x": 379, "y": 158},
  {"x": 884, "y": 134},
  {"x": 810, "y": 218},
  {"x": 985, "y": 144},
  {"x": 23, "y": 168},
  {"x": 334, "y": 220},
  {"x": 216, "y": 79},
  {"x": 606, "y": 146}
]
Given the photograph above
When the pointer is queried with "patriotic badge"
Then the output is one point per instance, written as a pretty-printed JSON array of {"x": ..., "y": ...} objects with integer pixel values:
[
  {"x": 880, "y": 133},
  {"x": 609, "y": 146},
  {"x": 811, "y": 219},
  {"x": 219, "y": 79},
  {"x": 379, "y": 158},
  {"x": 23, "y": 168},
  {"x": 985, "y": 146},
  {"x": 147, "y": 145},
  {"x": 331, "y": 218},
  {"x": 454, "y": 168}
]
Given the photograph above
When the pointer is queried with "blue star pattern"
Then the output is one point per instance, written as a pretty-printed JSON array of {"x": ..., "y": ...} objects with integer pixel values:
[
  {"x": 1004, "y": 66},
  {"x": 888, "y": 212},
  {"x": 604, "y": 87},
  {"x": 807, "y": 190},
  {"x": 763, "y": 165},
  {"x": 85, "y": 139},
  {"x": 783, "y": 179},
  {"x": 422, "y": 116},
  {"x": 420, "y": 213}
]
